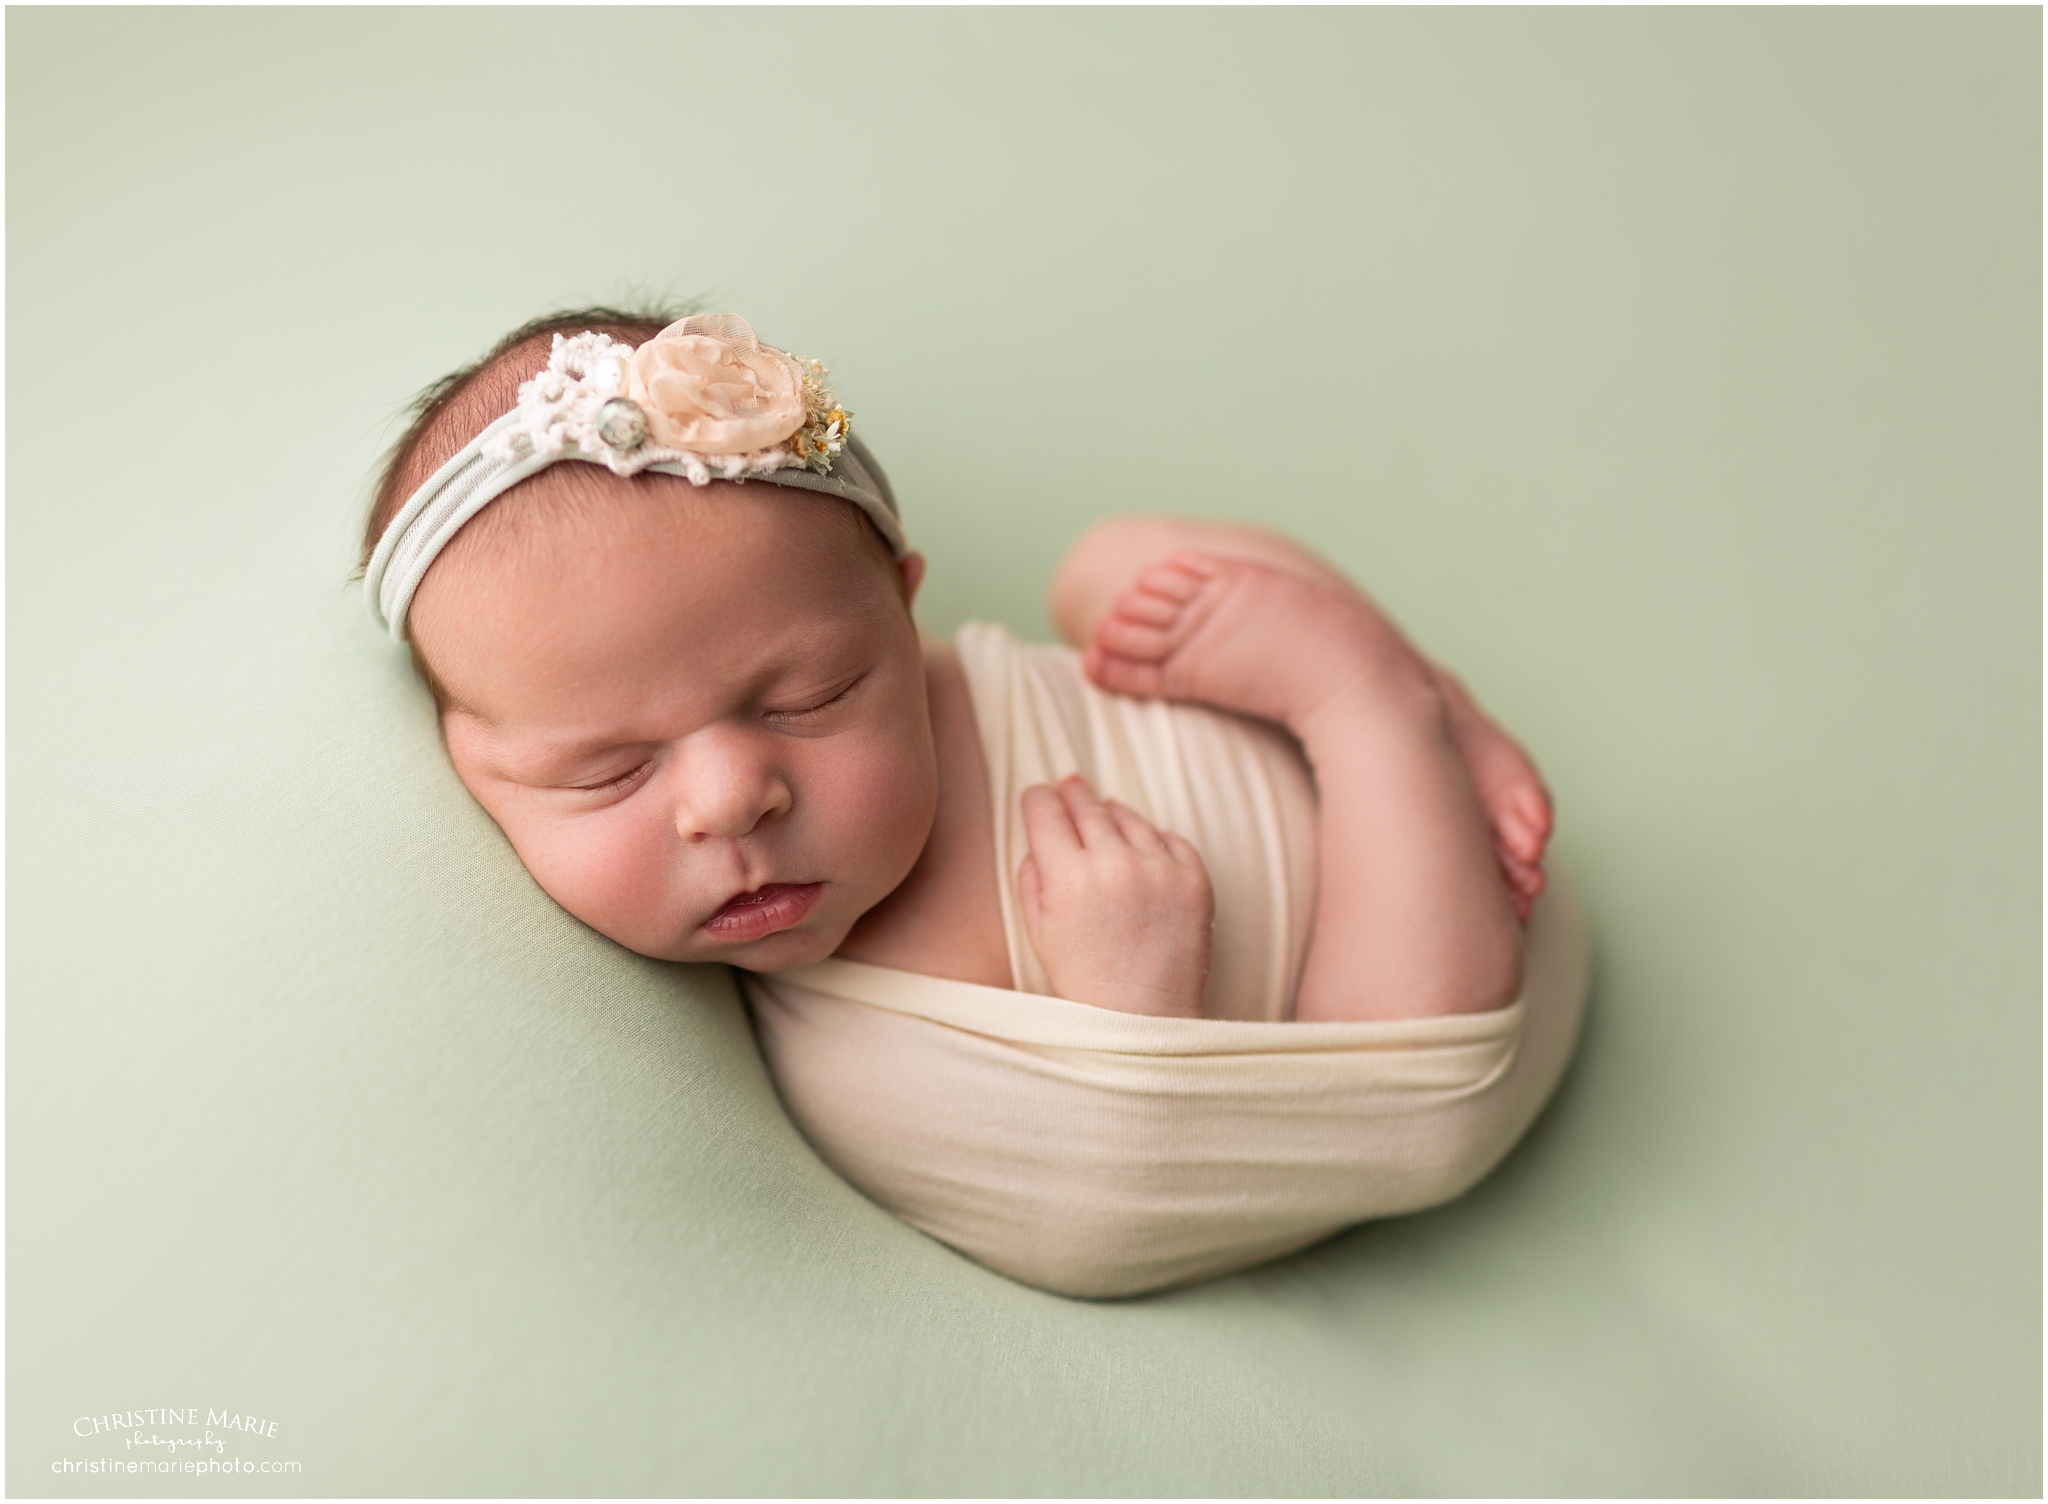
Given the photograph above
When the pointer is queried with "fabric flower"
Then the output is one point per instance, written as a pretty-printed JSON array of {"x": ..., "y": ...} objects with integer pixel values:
[{"x": 710, "y": 387}]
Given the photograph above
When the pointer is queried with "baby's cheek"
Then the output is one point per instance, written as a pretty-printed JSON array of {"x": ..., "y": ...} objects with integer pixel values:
[
  {"x": 885, "y": 799},
  {"x": 608, "y": 874}
]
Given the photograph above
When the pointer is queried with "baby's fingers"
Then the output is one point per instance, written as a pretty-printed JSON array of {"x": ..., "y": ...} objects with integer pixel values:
[
  {"x": 1092, "y": 818},
  {"x": 1031, "y": 894},
  {"x": 1133, "y": 827},
  {"x": 1048, "y": 825},
  {"x": 1183, "y": 851}
]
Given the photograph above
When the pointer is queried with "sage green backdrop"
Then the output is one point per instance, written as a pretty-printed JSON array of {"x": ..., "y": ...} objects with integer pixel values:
[{"x": 1673, "y": 374}]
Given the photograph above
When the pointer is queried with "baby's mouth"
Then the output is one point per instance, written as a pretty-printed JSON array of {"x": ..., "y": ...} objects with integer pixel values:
[{"x": 770, "y": 907}]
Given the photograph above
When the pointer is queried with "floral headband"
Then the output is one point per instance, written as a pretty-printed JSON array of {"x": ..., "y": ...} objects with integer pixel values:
[{"x": 703, "y": 399}]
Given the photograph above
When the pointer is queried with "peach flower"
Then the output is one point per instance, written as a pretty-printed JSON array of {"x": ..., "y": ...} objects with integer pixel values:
[{"x": 709, "y": 387}]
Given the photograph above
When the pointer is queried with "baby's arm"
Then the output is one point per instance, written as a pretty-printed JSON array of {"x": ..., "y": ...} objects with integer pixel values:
[
  {"x": 1412, "y": 915},
  {"x": 1101, "y": 566},
  {"x": 1118, "y": 912}
]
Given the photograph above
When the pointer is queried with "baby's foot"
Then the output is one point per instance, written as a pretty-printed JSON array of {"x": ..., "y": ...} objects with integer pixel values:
[
  {"x": 1510, "y": 790},
  {"x": 1247, "y": 637},
  {"x": 1258, "y": 640}
]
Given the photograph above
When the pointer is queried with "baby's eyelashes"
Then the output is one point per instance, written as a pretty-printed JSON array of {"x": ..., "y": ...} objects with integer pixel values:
[
  {"x": 618, "y": 783},
  {"x": 815, "y": 706}
]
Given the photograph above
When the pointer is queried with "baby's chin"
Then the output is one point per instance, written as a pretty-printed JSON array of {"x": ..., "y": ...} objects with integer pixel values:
[{"x": 782, "y": 951}]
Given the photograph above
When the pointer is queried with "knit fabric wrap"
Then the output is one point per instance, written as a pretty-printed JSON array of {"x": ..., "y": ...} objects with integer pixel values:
[{"x": 1097, "y": 1153}]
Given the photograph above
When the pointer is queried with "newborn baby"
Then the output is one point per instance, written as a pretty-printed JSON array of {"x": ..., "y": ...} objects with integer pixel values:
[{"x": 696, "y": 702}]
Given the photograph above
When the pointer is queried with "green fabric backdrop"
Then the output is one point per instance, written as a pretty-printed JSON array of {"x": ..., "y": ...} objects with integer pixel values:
[{"x": 1673, "y": 374}]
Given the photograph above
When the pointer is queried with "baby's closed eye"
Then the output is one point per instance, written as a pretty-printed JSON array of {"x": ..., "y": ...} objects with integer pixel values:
[
  {"x": 616, "y": 783},
  {"x": 817, "y": 705}
]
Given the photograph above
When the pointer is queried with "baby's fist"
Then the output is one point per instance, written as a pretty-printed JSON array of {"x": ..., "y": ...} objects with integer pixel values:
[{"x": 1118, "y": 912}]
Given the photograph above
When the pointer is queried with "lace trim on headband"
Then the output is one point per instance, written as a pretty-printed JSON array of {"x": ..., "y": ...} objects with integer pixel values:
[{"x": 579, "y": 404}]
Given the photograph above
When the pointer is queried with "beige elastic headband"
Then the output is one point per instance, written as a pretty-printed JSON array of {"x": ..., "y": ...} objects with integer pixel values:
[{"x": 703, "y": 400}]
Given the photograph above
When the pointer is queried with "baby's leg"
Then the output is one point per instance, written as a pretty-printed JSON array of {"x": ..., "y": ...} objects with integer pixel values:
[
  {"x": 1102, "y": 565},
  {"x": 1412, "y": 918}
]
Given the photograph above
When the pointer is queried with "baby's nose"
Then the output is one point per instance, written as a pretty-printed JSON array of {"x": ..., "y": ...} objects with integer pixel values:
[{"x": 726, "y": 792}]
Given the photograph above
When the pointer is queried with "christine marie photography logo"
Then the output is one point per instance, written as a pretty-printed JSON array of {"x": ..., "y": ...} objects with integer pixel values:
[{"x": 171, "y": 1439}]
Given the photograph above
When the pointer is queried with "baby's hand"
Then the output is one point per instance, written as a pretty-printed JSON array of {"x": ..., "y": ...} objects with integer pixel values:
[{"x": 1118, "y": 912}]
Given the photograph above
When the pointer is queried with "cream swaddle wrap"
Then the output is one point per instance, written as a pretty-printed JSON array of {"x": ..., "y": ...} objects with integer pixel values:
[{"x": 1097, "y": 1153}]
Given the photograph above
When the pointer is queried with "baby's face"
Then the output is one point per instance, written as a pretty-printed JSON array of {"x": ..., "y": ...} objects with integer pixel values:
[{"x": 700, "y": 718}]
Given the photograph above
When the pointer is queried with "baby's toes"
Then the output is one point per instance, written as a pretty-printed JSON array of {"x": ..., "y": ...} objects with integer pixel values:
[
  {"x": 1148, "y": 607},
  {"x": 1540, "y": 821},
  {"x": 1525, "y": 880},
  {"x": 1120, "y": 637},
  {"x": 1124, "y": 676},
  {"x": 1178, "y": 579},
  {"x": 1523, "y": 824},
  {"x": 1517, "y": 837}
]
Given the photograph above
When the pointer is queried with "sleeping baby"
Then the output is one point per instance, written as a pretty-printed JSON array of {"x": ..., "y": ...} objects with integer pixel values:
[{"x": 1114, "y": 965}]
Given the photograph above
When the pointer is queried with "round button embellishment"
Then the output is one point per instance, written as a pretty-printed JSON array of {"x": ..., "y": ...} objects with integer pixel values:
[{"x": 622, "y": 424}]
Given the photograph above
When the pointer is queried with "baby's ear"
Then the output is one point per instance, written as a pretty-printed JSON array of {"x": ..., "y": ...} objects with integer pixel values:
[{"x": 910, "y": 569}]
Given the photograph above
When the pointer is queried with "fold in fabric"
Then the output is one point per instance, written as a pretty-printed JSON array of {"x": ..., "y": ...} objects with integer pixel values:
[{"x": 1096, "y": 1153}]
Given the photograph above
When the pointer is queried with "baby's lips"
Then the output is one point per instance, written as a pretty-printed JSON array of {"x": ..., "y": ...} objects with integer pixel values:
[{"x": 763, "y": 911}]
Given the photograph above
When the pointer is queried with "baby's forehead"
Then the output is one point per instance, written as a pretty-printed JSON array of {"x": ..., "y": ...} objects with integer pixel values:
[
  {"x": 575, "y": 504},
  {"x": 583, "y": 591},
  {"x": 725, "y": 539}
]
